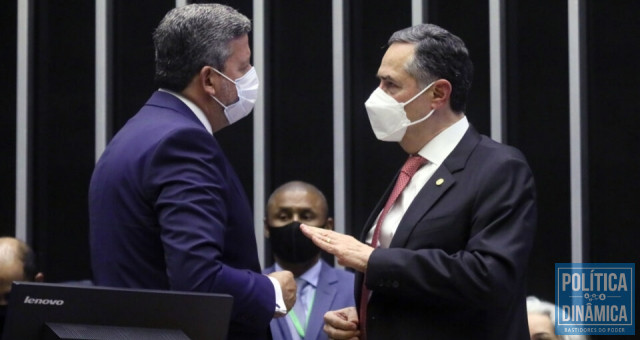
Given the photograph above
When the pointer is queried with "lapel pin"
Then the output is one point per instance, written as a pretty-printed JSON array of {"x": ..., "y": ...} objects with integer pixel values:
[{"x": 439, "y": 181}]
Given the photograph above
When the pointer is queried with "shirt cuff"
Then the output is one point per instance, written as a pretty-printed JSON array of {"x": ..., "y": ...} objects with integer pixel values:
[{"x": 281, "y": 308}]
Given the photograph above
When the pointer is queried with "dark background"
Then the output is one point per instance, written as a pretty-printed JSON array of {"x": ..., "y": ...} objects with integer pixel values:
[{"x": 299, "y": 116}]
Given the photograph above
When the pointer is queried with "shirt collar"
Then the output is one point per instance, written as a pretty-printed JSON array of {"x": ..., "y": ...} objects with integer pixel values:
[
  {"x": 439, "y": 148},
  {"x": 312, "y": 275},
  {"x": 194, "y": 108}
]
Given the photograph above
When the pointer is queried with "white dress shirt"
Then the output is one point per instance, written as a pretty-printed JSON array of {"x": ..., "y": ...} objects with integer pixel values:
[
  {"x": 194, "y": 108},
  {"x": 436, "y": 151}
]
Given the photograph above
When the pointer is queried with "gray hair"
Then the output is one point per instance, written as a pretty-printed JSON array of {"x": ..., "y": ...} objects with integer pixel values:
[
  {"x": 193, "y": 36},
  {"x": 438, "y": 54},
  {"x": 537, "y": 306}
]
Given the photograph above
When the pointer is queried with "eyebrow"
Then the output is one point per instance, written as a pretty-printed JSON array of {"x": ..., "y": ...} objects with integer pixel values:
[{"x": 291, "y": 209}]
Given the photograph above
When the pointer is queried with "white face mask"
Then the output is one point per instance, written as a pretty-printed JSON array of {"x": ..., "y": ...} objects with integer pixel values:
[
  {"x": 247, "y": 87},
  {"x": 388, "y": 118}
]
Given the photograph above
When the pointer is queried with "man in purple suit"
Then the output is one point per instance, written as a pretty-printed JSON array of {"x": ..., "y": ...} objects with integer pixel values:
[
  {"x": 321, "y": 287},
  {"x": 167, "y": 211}
]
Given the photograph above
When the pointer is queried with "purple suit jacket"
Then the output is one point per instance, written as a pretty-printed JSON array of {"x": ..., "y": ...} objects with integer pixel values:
[
  {"x": 167, "y": 211},
  {"x": 455, "y": 269},
  {"x": 335, "y": 291}
]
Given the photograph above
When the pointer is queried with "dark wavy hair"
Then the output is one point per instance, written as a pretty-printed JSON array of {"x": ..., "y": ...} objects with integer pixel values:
[{"x": 439, "y": 54}]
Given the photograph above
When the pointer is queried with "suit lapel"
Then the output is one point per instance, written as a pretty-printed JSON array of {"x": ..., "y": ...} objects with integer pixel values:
[
  {"x": 359, "y": 276},
  {"x": 441, "y": 181},
  {"x": 376, "y": 211},
  {"x": 325, "y": 294},
  {"x": 437, "y": 185}
]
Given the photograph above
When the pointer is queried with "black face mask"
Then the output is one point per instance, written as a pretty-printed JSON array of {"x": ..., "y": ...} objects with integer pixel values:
[{"x": 290, "y": 244}]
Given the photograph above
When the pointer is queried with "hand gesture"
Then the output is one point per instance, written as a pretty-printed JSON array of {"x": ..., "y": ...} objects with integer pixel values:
[
  {"x": 348, "y": 251},
  {"x": 288, "y": 285},
  {"x": 342, "y": 324}
]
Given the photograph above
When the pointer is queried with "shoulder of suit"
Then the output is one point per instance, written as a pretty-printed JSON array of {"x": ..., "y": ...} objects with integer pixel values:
[{"x": 340, "y": 273}]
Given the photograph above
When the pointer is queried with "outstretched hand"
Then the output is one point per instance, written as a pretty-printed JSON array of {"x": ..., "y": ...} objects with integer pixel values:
[{"x": 348, "y": 251}]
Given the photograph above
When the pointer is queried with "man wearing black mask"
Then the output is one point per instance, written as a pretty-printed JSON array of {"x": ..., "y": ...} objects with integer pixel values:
[{"x": 320, "y": 287}]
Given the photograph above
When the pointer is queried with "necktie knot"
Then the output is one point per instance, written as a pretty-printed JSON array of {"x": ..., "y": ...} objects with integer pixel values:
[
  {"x": 301, "y": 284},
  {"x": 410, "y": 167},
  {"x": 413, "y": 163}
]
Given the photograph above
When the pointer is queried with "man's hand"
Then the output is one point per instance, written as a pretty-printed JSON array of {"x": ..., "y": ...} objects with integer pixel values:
[
  {"x": 342, "y": 324},
  {"x": 288, "y": 285},
  {"x": 348, "y": 251}
]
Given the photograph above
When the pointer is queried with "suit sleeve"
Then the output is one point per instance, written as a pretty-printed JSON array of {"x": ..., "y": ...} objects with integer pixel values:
[
  {"x": 187, "y": 175},
  {"x": 500, "y": 214}
]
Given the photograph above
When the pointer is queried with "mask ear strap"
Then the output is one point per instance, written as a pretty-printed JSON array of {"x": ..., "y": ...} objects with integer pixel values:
[
  {"x": 219, "y": 102},
  {"x": 224, "y": 75},
  {"x": 421, "y": 119},
  {"x": 419, "y": 93}
]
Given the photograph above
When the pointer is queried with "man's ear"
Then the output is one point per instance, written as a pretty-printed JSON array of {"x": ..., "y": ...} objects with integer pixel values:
[
  {"x": 329, "y": 225},
  {"x": 441, "y": 93},
  {"x": 207, "y": 79},
  {"x": 266, "y": 228}
]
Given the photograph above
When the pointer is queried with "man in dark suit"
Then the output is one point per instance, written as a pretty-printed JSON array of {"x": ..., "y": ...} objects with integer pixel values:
[
  {"x": 321, "y": 287},
  {"x": 167, "y": 210},
  {"x": 443, "y": 255}
]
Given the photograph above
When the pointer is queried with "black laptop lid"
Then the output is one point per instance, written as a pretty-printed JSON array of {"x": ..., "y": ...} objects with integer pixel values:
[{"x": 33, "y": 305}]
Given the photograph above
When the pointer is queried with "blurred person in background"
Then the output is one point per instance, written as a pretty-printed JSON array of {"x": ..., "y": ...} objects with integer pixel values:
[
  {"x": 320, "y": 286},
  {"x": 542, "y": 320},
  {"x": 17, "y": 263}
]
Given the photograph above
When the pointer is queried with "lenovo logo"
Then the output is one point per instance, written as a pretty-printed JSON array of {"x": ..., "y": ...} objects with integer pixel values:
[{"x": 32, "y": 301}]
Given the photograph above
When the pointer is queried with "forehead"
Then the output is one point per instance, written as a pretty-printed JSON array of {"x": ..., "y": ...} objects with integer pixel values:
[
  {"x": 296, "y": 198},
  {"x": 394, "y": 61},
  {"x": 240, "y": 50},
  {"x": 13, "y": 271}
]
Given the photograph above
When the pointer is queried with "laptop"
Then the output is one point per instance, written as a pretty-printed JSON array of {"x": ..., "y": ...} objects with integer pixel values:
[{"x": 39, "y": 311}]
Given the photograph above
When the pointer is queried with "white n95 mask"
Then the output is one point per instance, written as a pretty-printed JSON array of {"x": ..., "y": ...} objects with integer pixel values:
[
  {"x": 387, "y": 116},
  {"x": 247, "y": 87}
]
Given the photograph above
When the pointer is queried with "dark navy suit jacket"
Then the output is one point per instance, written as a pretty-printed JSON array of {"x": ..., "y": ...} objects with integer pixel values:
[
  {"x": 167, "y": 211},
  {"x": 334, "y": 291},
  {"x": 455, "y": 268}
]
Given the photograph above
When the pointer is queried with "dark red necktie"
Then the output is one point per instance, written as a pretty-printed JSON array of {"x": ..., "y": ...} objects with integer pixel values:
[{"x": 409, "y": 168}]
